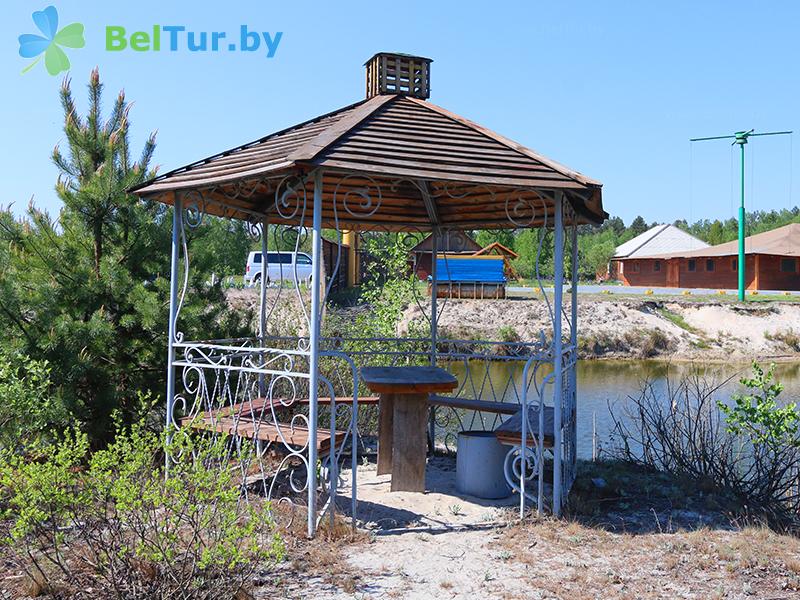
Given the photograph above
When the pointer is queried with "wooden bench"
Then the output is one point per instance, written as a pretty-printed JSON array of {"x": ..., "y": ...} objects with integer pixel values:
[
  {"x": 265, "y": 404},
  {"x": 510, "y": 430},
  {"x": 244, "y": 419},
  {"x": 502, "y": 408},
  {"x": 295, "y": 436}
]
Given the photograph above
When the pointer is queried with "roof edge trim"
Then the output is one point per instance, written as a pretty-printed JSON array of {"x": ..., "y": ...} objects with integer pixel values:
[{"x": 188, "y": 167}]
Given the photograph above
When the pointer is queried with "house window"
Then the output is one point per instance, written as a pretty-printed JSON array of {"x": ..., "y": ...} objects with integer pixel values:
[
  {"x": 692, "y": 265},
  {"x": 657, "y": 265},
  {"x": 635, "y": 267},
  {"x": 735, "y": 264},
  {"x": 788, "y": 265},
  {"x": 709, "y": 264}
]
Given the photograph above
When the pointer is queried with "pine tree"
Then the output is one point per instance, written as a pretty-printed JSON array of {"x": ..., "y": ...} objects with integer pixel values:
[
  {"x": 638, "y": 226},
  {"x": 89, "y": 292},
  {"x": 97, "y": 169}
]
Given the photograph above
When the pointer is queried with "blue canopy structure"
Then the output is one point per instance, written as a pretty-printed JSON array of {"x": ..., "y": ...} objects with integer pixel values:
[{"x": 470, "y": 269}]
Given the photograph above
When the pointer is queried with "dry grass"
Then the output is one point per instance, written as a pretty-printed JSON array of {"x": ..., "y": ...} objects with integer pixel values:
[
  {"x": 571, "y": 560},
  {"x": 322, "y": 558}
]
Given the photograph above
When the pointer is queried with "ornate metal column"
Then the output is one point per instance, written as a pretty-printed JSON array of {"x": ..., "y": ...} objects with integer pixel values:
[
  {"x": 262, "y": 302},
  {"x": 434, "y": 330},
  {"x": 558, "y": 294},
  {"x": 314, "y": 335},
  {"x": 573, "y": 335},
  {"x": 177, "y": 226}
]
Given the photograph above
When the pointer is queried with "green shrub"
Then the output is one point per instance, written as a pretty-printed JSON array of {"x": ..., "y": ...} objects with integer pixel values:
[
  {"x": 757, "y": 415},
  {"x": 747, "y": 451},
  {"x": 30, "y": 408},
  {"x": 506, "y": 333},
  {"x": 678, "y": 320},
  {"x": 113, "y": 523}
]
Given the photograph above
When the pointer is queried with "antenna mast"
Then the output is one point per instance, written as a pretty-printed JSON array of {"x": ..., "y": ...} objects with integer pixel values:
[{"x": 740, "y": 138}]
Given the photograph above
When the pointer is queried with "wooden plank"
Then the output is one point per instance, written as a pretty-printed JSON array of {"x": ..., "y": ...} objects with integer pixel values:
[
  {"x": 405, "y": 380},
  {"x": 381, "y": 132},
  {"x": 331, "y": 134},
  {"x": 422, "y": 171},
  {"x": 367, "y": 136},
  {"x": 441, "y": 157},
  {"x": 578, "y": 177},
  {"x": 420, "y": 130},
  {"x": 430, "y": 162},
  {"x": 284, "y": 433},
  {"x": 149, "y": 187},
  {"x": 257, "y": 404},
  {"x": 503, "y": 408},
  {"x": 469, "y": 149},
  {"x": 410, "y": 443}
]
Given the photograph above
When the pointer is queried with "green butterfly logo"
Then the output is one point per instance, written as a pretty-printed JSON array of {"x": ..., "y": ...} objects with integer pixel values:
[{"x": 49, "y": 43}]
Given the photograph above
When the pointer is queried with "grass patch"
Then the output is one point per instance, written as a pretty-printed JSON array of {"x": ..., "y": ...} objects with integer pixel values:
[
  {"x": 506, "y": 333},
  {"x": 678, "y": 320},
  {"x": 708, "y": 563},
  {"x": 641, "y": 343},
  {"x": 788, "y": 337}
]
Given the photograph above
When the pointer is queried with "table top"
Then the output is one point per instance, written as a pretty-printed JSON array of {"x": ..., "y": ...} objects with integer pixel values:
[{"x": 408, "y": 380}]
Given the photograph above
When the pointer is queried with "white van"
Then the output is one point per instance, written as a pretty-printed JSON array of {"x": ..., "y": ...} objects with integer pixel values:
[{"x": 280, "y": 267}]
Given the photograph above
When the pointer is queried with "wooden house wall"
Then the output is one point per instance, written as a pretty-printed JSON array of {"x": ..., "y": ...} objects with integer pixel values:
[{"x": 763, "y": 272}]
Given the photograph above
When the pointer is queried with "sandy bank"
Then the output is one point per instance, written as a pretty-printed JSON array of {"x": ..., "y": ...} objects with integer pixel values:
[{"x": 610, "y": 328}]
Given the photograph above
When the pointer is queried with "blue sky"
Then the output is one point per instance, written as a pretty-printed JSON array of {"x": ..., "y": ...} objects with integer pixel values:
[{"x": 612, "y": 89}]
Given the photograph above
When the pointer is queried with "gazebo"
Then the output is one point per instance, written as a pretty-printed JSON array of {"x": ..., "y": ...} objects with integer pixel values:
[{"x": 393, "y": 167}]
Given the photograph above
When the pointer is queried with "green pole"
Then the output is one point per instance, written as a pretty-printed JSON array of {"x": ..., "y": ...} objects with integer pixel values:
[
  {"x": 741, "y": 235},
  {"x": 741, "y": 139}
]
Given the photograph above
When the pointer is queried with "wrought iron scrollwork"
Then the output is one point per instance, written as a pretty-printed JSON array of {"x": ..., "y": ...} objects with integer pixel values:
[{"x": 360, "y": 201}]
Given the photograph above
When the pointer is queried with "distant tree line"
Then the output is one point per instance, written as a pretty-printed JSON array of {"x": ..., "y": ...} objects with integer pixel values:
[
  {"x": 718, "y": 232},
  {"x": 597, "y": 244}
]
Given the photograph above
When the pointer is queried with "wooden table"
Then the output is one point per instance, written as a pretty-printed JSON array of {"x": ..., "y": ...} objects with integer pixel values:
[{"x": 403, "y": 416}]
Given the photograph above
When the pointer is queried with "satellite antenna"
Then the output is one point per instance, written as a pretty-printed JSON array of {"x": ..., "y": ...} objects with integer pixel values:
[{"x": 740, "y": 138}]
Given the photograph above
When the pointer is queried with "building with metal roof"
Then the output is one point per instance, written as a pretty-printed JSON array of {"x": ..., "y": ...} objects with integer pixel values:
[
  {"x": 771, "y": 263},
  {"x": 656, "y": 240}
]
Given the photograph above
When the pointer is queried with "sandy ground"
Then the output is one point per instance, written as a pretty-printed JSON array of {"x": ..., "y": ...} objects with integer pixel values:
[
  {"x": 430, "y": 545},
  {"x": 419, "y": 549},
  {"x": 441, "y": 507}
]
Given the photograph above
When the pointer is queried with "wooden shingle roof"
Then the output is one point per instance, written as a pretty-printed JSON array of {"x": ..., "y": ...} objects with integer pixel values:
[{"x": 391, "y": 150}]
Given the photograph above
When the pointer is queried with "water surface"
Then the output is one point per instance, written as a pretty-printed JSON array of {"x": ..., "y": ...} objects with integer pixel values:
[{"x": 604, "y": 385}]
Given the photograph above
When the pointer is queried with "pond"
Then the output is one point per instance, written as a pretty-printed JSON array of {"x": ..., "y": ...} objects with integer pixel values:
[{"x": 604, "y": 385}]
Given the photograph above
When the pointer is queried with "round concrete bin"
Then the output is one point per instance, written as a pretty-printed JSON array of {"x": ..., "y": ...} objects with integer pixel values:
[{"x": 479, "y": 465}]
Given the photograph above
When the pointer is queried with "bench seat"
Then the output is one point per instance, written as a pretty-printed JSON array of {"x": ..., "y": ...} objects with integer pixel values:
[
  {"x": 295, "y": 436},
  {"x": 257, "y": 404},
  {"x": 510, "y": 430},
  {"x": 503, "y": 408},
  {"x": 245, "y": 419}
]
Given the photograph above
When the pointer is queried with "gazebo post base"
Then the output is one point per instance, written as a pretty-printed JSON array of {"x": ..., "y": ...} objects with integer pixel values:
[{"x": 408, "y": 458}]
